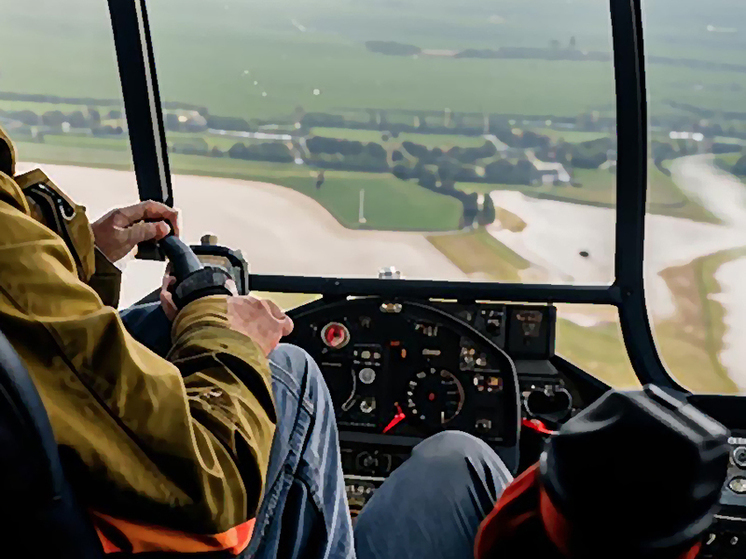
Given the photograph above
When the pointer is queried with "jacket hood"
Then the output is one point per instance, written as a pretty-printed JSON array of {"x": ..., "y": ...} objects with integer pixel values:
[{"x": 7, "y": 154}]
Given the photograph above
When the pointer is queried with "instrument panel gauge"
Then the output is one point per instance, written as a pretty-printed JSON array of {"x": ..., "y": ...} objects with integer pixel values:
[
  {"x": 335, "y": 335},
  {"x": 434, "y": 397}
]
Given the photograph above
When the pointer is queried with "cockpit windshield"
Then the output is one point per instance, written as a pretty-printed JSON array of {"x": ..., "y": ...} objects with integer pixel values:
[{"x": 471, "y": 141}]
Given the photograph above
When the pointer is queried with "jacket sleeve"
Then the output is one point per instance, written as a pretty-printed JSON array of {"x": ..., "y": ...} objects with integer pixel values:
[
  {"x": 183, "y": 443},
  {"x": 106, "y": 280}
]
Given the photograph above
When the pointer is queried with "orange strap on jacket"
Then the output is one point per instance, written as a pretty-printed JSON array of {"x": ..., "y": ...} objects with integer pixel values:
[{"x": 118, "y": 535}]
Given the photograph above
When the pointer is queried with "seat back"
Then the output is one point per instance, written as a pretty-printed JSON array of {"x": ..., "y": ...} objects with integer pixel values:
[{"x": 41, "y": 516}]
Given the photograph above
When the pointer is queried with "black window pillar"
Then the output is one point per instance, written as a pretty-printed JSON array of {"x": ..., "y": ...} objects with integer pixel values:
[
  {"x": 632, "y": 176},
  {"x": 142, "y": 103}
]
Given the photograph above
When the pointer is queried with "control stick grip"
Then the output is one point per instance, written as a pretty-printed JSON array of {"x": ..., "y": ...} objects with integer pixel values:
[
  {"x": 194, "y": 280},
  {"x": 182, "y": 258}
]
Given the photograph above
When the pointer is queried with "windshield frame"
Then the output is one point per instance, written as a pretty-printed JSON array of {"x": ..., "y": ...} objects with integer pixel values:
[{"x": 147, "y": 133}]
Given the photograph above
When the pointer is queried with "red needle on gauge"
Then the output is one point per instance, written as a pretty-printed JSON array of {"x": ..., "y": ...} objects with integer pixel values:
[{"x": 398, "y": 418}]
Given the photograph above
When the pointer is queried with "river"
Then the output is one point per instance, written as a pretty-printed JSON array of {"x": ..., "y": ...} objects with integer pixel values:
[
  {"x": 725, "y": 196},
  {"x": 574, "y": 243}
]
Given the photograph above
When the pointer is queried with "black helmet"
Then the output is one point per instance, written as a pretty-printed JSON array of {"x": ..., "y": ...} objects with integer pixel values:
[{"x": 637, "y": 473}]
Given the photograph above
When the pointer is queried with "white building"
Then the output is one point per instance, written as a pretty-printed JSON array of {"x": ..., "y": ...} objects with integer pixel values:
[{"x": 551, "y": 171}]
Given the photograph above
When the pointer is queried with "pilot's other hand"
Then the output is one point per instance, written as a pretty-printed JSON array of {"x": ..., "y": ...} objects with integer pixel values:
[
  {"x": 260, "y": 319},
  {"x": 120, "y": 230},
  {"x": 167, "y": 297}
]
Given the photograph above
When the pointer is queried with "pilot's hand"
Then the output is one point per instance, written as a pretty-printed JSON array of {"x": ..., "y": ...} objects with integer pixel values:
[
  {"x": 120, "y": 230},
  {"x": 167, "y": 296},
  {"x": 260, "y": 319}
]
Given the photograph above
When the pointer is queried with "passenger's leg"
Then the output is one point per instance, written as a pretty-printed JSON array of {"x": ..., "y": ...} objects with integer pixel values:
[
  {"x": 304, "y": 511},
  {"x": 432, "y": 505}
]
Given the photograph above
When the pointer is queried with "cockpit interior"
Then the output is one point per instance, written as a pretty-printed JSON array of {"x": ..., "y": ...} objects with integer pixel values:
[{"x": 473, "y": 227}]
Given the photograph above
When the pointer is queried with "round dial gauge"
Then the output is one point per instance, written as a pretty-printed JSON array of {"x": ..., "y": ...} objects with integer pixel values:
[
  {"x": 335, "y": 335},
  {"x": 435, "y": 397}
]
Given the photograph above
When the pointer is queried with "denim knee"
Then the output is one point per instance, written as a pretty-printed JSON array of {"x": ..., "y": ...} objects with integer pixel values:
[
  {"x": 452, "y": 446},
  {"x": 296, "y": 363}
]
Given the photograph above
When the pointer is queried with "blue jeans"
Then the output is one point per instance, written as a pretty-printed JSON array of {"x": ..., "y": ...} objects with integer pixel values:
[{"x": 431, "y": 506}]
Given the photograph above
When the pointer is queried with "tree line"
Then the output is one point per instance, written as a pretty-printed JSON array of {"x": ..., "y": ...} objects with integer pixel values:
[
  {"x": 55, "y": 120},
  {"x": 442, "y": 182},
  {"x": 332, "y": 153}
]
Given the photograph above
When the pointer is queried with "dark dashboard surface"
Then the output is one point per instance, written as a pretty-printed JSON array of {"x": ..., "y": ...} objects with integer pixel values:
[
  {"x": 399, "y": 371},
  {"x": 410, "y": 369}
]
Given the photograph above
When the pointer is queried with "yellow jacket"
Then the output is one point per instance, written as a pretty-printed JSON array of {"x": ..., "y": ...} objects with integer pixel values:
[{"x": 180, "y": 444}]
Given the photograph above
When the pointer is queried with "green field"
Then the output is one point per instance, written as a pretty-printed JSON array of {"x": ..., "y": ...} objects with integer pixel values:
[
  {"x": 70, "y": 155},
  {"x": 480, "y": 256},
  {"x": 727, "y": 161},
  {"x": 213, "y": 140},
  {"x": 441, "y": 140},
  {"x": 349, "y": 134},
  {"x": 571, "y": 136},
  {"x": 213, "y": 55},
  {"x": 38, "y": 107},
  {"x": 598, "y": 350},
  {"x": 85, "y": 142},
  {"x": 690, "y": 342}
]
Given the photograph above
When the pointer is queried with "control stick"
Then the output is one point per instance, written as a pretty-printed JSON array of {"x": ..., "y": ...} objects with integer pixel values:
[{"x": 194, "y": 280}]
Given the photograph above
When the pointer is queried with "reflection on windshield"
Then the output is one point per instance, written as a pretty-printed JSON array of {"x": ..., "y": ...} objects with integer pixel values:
[{"x": 464, "y": 141}]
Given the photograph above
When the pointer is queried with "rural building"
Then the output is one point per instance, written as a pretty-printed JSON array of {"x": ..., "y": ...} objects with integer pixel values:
[{"x": 549, "y": 172}]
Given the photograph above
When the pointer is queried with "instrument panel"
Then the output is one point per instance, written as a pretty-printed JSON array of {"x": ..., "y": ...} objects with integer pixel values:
[
  {"x": 409, "y": 369},
  {"x": 399, "y": 371},
  {"x": 727, "y": 536}
]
